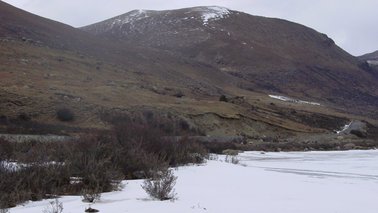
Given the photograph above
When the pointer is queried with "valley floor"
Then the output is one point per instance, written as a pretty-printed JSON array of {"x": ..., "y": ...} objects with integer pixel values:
[{"x": 295, "y": 182}]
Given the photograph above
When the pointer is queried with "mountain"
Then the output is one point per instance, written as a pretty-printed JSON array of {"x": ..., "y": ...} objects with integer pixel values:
[
  {"x": 46, "y": 65},
  {"x": 370, "y": 56},
  {"x": 277, "y": 79},
  {"x": 370, "y": 62},
  {"x": 270, "y": 55},
  {"x": 371, "y": 59}
]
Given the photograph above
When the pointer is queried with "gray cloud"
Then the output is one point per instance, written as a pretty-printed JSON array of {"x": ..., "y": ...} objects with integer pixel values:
[{"x": 352, "y": 24}]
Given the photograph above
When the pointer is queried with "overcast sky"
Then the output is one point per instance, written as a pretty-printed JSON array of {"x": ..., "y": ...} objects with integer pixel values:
[{"x": 353, "y": 24}]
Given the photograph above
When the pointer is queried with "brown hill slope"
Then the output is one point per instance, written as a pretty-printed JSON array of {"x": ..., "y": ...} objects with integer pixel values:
[
  {"x": 45, "y": 65},
  {"x": 271, "y": 55}
]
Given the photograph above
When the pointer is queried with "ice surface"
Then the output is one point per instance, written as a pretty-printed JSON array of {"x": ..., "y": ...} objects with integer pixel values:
[{"x": 296, "y": 182}]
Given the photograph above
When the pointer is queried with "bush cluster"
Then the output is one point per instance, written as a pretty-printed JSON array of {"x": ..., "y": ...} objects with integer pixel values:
[
  {"x": 32, "y": 182},
  {"x": 94, "y": 163},
  {"x": 223, "y": 98}
]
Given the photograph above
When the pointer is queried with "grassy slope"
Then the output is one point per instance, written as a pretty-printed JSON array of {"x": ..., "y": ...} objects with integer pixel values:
[
  {"x": 92, "y": 76},
  {"x": 41, "y": 79}
]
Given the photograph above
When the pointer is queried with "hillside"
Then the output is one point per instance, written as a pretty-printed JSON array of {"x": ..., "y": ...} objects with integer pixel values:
[
  {"x": 169, "y": 64},
  {"x": 265, "y": 54},
  {"x": 370, "y": 56},
  {"x": 371, "y": 59}
]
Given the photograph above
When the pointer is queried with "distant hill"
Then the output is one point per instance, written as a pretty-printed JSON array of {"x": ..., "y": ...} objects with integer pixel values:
[
  {"x": 371, "y": 58},
  {"x": 371, "y": 62}
]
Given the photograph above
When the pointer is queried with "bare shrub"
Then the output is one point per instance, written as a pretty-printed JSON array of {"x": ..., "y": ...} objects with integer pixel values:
[
  {"x": 6, "y": 149},
  {"x": 54, "y": 206},
  {"x": 92, "y": 159},
  {"x": 91, "y": 195},
  {"x": 179, "y": 94},
  {"x": 232, "y": 159},
  {"x": 4, "y": 204},
  {"x": 4, "y": 210},
  {"x": 235, "y": 160},
  {"x": 230, "y": 152},
  {"x": 65, "y": 114},
  {"x": 161, "y": 185},
  {"x": 143, "y": 147},
  {"x": 223, "y": 98},
  {"x": 185, "y": 151},
  {"x": 6, "y": 195},
  {"x": 217, "y": 148},
  {"x": 213, "y": 157},
  {"x": 31, "y": 182},
  {"x": 24, "y": 117}
]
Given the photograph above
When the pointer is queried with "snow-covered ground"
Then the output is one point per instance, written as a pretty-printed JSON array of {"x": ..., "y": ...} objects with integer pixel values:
[
  {"x": 345, "y": 127},
  {"x": 296, "y": 182},
  {"x": 292, "y": 100}
]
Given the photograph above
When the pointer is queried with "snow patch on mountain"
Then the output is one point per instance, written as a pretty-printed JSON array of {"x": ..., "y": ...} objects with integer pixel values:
[
  {"x": 213, "y": 13},
  {"x": 287, "y": 99},
  {"x": 119, "y": 21},
  {"x": 345, "y": 128},
  {"x": 373, "y": 62},
  {"x": 136, "y": 18},
  {"x": 358, "y": 126},
  {"x": 131, "y": 17}
]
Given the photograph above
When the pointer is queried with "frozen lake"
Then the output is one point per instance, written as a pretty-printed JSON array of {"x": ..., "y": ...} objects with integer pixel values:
[
  {"x": 350, "y": 165},
  {"x": 296, "y": 182}
]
